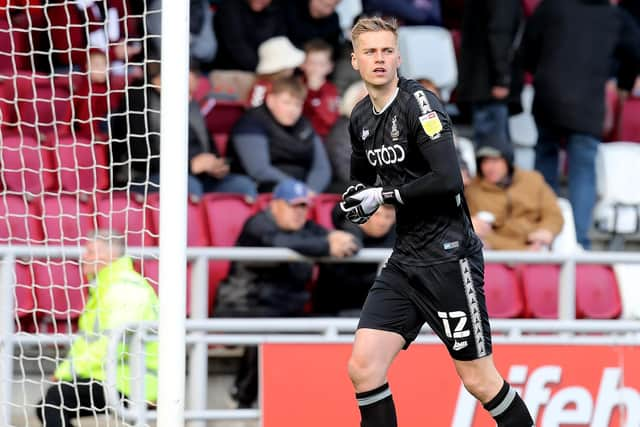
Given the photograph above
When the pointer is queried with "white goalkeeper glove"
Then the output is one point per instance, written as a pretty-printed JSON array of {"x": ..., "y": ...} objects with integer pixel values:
[{"x": 359, "y": 203}]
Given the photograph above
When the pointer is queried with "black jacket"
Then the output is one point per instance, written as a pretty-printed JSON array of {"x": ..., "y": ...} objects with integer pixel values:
[
  {"x": 302, "y": 27},
  {"x": 343, "y": 287},
  {"x": 266, "y": 289},
  {"x": 491, "y": 30},
  {"x": 135, "y": 135},
  {"x": 240, "y": 31},
  {"x": 569, "y": 46}
]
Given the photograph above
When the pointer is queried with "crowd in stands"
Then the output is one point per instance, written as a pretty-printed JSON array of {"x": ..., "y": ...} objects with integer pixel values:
[
  {"x": 272, "y": 88},
  {"x": 271, "y": 91}
]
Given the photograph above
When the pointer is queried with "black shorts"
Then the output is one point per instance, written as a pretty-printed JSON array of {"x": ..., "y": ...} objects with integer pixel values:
[{"x": 448, "y": 296}]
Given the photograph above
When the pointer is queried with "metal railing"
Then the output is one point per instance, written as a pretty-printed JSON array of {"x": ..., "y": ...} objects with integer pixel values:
[{"x": 200, "y": 337}]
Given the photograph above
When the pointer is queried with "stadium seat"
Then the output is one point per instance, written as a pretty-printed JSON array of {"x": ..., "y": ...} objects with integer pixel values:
[
  {"x": 17, "y": 226},
  {"x": 67, "y": 32},
  {"x": 14, "y": 48},
  {"x": 24, "y": 296},
  {"x": 628, "y": 278},
  {"x": 197, "y": 229},
  {"x": 60, "y": 294},
  {"x": 323, "y": 205},
  {"x": 540, "y": 285},
  {"x": 597, "y": 294},
  {"x": 503, "y": 292},
  {"x": 26, "y": 166},
  {"x": 440, "y": 65},
  {"x": 529, "y": 6},
  {"x": 66, "y": 220},
  {"x": 630, "y": 121},
  {"x": 226, "y": 215},
  {"x": 524, "y": 132},
  {"x": 222, "y": 141},
  {"x": 122, "y": 213},
  {"x": 566, "y": 241},
  {"x": 33, "y": 105},
  {"x": 83, "y": 165},
  {"x": 221, "y": 116},
  {"x": 616, "y": 168},
  {"x": 203, "y": 89}
]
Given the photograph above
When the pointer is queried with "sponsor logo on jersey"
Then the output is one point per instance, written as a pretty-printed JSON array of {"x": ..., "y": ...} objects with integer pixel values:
[
  {"x": 386, "y": 155},
  {"x": 423, "y": 102},
  {"x": 395, "y": 133},
  {"x": 451, "y": 245},
  {"x": 365, "y": 133},
  {"x": 431, "y": 124}
]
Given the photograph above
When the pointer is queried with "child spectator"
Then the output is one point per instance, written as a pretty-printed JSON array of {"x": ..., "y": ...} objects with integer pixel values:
[
  {"x": 321, "y": 105},
  {"x": 278, "y": 59}
]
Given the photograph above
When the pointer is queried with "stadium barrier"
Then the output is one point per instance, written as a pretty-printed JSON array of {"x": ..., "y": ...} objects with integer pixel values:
[{"x": 201, "y": 336}]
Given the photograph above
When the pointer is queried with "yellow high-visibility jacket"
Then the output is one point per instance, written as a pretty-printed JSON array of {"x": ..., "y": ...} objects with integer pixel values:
[{"x": 120, "y": 296}]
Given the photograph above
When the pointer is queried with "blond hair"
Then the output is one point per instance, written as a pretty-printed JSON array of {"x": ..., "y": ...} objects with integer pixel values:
[{"x": 372, "y": 24}]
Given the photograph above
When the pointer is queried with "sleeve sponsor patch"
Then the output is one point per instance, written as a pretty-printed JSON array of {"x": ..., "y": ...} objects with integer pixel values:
[{"x": 431, "y": 124}]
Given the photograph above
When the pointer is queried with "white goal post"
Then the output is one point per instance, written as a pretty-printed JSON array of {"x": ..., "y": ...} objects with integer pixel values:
[{"x": 67, "y": 70}]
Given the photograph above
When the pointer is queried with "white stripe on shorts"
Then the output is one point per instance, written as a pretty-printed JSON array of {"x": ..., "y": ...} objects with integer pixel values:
[{"x": 474, "y": 309}]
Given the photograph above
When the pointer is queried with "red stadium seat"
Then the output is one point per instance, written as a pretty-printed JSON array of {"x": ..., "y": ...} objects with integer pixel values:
[
  {"x": 203, "y": 89},
  {"x": 597, "y": 293},
  {"x": 123, "y": 213},
  {"x": 221, "y": 140},
  {"x": 17, "y": 226},
  {"x": 83, "y": 165},
  {"x": 60, "y": 294},
  {"x": 529, "y": 6},
  {"x": 630, "y": 121},
  {"x": 150, "y": 270},
  {"x": 66, "y": 220},
  {"x": 226, "y": 215},
  {"x": 503, "y": 292},
  {"x": 197, "y": 229},
  {"x": 540, "y": 284},
  {"x": 323, "y": 205},
  {"x": 26, "y": 166},
  {"x": 14, "y": 47},
  {"x": 24, "y": 297},
  {"x": 33, "y": 105},
  {"x": 221, "y": 116}
]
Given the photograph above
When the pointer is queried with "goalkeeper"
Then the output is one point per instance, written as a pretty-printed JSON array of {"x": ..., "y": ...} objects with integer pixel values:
[
  {"x": 403, "y": 154},
  {"x": 118, "y": 296}
]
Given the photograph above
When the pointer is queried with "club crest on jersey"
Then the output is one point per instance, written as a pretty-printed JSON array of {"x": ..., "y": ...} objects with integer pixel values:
[
  {"x": 431, "y": 124},
  {"x": 423, "y": 102},
  {"x": 365, "y": 133},
  {"x": 395, "y": 133}
]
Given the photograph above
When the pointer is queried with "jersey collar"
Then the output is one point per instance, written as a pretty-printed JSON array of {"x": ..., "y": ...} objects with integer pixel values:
[{"x": 393, "y": 98}]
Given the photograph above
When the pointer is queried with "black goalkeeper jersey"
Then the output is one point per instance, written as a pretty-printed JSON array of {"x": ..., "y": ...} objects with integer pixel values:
[{"x": 409, "y": 146}]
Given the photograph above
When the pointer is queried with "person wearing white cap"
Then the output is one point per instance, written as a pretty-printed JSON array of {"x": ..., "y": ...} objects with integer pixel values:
[{"x": 278, "y": 58}]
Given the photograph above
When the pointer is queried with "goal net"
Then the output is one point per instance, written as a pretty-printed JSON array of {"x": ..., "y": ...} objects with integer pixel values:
[{"x": 79, "y": 153}]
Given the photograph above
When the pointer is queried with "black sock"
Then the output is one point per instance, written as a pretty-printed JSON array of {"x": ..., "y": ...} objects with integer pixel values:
[
  {"x": 377, "y": 408},
  {"x": 508, "y": 409}
]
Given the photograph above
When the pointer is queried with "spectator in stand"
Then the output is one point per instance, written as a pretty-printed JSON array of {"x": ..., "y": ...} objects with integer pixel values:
[
  {"x": 93, "y": 98},
  {"x": 490, "y": 80},
  {"x": 135, "y": 135},
  {"x": 338, "y": 142},
  {"x": 118, "y": 296},
  {"x": 321, "y": 105},
  {"x": 314, "y": 19},
  {"x": 569, "y": 47},
  {"x": 202, "y": 40},
  {"x": 511, "y": 208},
  {"x": 408, "y": 12},
  {"x": 274, "y": 142},
  {"x": 276, "y": 289},
  {"x": 208, "y": 171},
  {"x": 278, "y": 59},
  {"x": 241, "y": 26},
  {"x": 342, "y": 288}
]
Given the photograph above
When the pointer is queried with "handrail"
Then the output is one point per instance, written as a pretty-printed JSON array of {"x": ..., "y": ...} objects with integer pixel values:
[{"x": 252, "y": 331}]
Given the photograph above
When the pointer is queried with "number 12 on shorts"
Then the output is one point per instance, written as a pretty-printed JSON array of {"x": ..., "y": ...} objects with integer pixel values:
[{"x": 459, "y": 319}]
